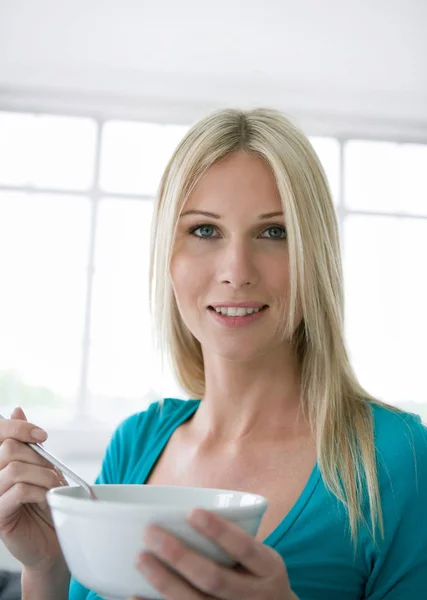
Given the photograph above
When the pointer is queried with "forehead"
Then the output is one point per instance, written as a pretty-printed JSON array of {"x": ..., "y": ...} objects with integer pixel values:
[{"x": 240, "y": 178}]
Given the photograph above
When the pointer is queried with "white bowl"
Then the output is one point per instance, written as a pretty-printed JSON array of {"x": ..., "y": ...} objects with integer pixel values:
[{"x": 101, "y": 539}]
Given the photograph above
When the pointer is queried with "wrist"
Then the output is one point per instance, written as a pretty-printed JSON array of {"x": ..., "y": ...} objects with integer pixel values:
[
  {"x": 56, "y": 568},
  {"x": 46, "y": 584}
]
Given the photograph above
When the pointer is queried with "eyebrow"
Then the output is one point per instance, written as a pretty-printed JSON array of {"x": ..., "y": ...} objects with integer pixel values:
[{"x": 215, "y": 216}]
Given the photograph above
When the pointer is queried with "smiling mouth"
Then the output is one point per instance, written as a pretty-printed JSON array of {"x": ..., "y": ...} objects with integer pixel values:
[{"x": 237, "y": 311}]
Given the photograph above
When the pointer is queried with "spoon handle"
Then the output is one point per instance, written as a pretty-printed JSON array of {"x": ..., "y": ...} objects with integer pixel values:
[{"x": 60, "y": 465}]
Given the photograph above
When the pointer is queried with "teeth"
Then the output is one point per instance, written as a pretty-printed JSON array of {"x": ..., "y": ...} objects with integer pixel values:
[{"x": 232, "y": 311}]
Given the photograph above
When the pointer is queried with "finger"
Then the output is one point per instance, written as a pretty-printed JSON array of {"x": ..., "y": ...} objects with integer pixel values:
[
  {"x": 201, "y": 572},
  {"x": 20, "y": 429},
  {"x": 170, "y": 584},
  {"x": 18, "y": 495},
  {"x": 252, "y": 554},
  {"x": 11, "y": 450},
  {"x": 61, "y": 476},
  {"x": 18, "y": 413},
  {"x": 18, "y": 472}
]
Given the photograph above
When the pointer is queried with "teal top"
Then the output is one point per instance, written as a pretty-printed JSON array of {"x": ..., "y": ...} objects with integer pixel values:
[{"x": 313, "y": 537}]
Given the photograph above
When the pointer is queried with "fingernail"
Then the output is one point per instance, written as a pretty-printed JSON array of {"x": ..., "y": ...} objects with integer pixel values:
[
  {"x": 199, "y": 519},
  {"x": 147, "y": 564},
  {"x": 155, "y": 541},
  {"x": 38, "y": 434},
  {"x": 144, "y": 566}
]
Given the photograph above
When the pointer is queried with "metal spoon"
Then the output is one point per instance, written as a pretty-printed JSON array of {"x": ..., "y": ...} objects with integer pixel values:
[{"x": 60, "y": 465}]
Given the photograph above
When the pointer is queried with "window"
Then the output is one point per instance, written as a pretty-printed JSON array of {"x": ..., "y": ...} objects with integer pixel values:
[
  {"x": 75, "y": 333},
  {"x": 328, "y": 151},
  {"x": 385, "y": 245},
  {"x": 386, "y": 295},
  {"x": 44, "y": 241},
  {"x": 386, "y": 177},
  {"x": 134, "y": 155},
  {"x": 47, "y": 151},
  {"x": 121, "y": 358},
  {"x": 75, "y": 209}
]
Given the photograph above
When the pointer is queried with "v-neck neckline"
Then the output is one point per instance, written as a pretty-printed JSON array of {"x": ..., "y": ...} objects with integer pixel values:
[{"x": 289, "y": 519}]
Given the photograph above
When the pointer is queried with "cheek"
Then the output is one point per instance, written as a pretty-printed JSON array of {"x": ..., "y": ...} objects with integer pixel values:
[
  {"x": 275, "y": 273},
  {"x": 189, "y": 284},
  {"x": 189, "y": 278}
]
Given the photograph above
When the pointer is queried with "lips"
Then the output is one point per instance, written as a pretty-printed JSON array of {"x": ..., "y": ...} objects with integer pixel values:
[
  {"x": 237, "y": 310},
  {"x": 223, "y": 306},
  {"x": 236, "y": 317},
  {"x": 243, "y": 304}
]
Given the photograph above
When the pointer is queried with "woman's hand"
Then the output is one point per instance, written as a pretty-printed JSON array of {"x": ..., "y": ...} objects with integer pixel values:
[
  {"x": 260, "y": 575},
  {"x": 26, "y": 525}
]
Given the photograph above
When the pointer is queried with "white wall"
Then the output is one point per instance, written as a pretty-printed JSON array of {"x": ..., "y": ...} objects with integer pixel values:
[{"x": 333, "y": 59}]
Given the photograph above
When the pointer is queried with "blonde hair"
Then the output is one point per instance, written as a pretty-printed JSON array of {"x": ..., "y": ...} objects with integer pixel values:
[{"x": 335, "y": 403}]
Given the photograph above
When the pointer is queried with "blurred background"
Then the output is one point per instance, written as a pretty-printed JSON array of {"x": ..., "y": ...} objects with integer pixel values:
[{"x": 95, "y": 95}]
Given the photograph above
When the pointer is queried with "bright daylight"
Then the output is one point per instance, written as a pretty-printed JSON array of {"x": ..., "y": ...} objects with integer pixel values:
[{"x": 246, "y": 148}]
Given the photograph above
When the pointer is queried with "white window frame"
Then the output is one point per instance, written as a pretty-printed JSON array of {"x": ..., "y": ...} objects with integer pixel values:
[{"x": 92, "y": 442}]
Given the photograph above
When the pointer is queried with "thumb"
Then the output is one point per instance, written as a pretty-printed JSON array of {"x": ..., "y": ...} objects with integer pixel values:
[{"x": 18, "y": 413}]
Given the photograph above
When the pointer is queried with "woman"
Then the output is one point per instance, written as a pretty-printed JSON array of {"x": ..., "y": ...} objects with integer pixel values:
[{"x": 249, "y": 305}]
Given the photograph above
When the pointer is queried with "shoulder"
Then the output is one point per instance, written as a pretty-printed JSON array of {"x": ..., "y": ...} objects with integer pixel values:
[
  {"x": 138, "y": 434},
  {"x": 397, "y": 561},
  {"x": 398, "y": 434},
  {"x": 401, "y": 449},
  {"x": 160, "y": 414}
]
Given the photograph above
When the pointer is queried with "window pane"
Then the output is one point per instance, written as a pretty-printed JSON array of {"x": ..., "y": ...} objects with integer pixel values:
[
  {"x": 386, "y": 299},
  {"x": 43, "y": 260},
  {"x": 63, "y": 152},
  {"x": 328, "y": 150},
  {"x": 383, "y": 176},
  {"x": 47, "y": 151},
  {"x": 413, "y": 180},
  {"x": 16, "y": 133},
  {"x": 134, "y": 155},
  {"x": 124, "y": 371},
  {"x": 370, "y": 175}
]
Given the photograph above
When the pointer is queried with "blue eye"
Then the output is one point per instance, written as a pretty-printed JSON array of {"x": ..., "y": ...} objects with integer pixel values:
[
  {"x": 276, "y": 233},
  {"x": 206, "y": 232},
  {"x": 203, "y": 231}
]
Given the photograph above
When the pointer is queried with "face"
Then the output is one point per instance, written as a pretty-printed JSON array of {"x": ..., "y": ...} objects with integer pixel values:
[{"x": 230, "y": 267}]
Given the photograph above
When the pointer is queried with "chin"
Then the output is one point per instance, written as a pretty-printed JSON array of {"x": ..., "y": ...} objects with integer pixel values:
[{"x": 239, "y": 353}]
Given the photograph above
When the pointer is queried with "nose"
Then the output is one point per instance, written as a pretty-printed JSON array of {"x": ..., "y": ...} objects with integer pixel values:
[{"x": 237, "y": 265}]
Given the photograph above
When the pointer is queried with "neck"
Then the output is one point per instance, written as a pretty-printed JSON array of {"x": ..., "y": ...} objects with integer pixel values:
[{"x": 254, "y": 400}]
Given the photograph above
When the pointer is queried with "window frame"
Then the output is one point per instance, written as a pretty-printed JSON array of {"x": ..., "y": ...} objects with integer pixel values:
[{"x": 92, "y": 438}]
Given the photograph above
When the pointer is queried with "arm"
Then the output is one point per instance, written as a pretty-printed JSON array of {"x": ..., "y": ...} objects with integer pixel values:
[
  {"x": 45, "y": 586},
  {"x": 400, "y": 566}
]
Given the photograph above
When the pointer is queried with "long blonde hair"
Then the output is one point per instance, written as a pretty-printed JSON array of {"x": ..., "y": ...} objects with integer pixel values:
[{"x": 335, "y": 403}]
